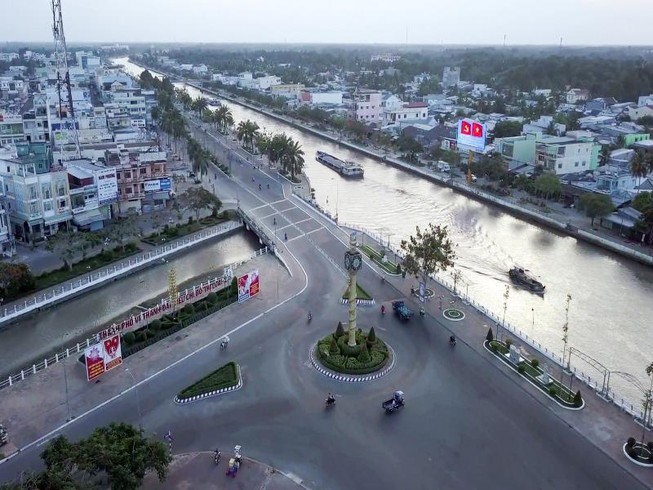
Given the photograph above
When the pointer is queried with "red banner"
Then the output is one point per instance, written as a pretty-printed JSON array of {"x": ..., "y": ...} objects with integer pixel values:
[
  {"x": 112, "y": 352},
  {"x": 94, "y": 361}
]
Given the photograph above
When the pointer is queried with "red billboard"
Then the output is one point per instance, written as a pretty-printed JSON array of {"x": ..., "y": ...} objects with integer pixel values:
[
  {"x": 248, "y": 286},
  {"x": 471, "y": 134},
  {"x": 102, "y": 357}
]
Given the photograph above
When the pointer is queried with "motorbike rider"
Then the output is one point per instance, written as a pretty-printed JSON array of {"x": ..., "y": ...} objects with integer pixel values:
[
  {"x": 330, "y": 399},
  {"x": 383, "y": 309},
  {"x": 310, "y": 317},
  {"x": 452, "y": 340}
]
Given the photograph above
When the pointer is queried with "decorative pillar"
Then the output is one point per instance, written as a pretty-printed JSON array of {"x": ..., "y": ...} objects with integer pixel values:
[
  {"x": 172, "y": 288},
  {"x": 353, "y": 263}
]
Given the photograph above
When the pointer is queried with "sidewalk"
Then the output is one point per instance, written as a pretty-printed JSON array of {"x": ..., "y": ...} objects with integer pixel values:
[
  {"x": 198, "y": 471},
  {"x": 603, "y": 424}
]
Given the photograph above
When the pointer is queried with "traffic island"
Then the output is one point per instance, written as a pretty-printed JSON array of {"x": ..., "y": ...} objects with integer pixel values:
[
  {"x": 222, "y": 380},
  {"x": 363, "y": 298},
  {"x": 453, "y": 314},
  {"x": 531, "y": 371},
  {"x": 380, "y": 259},
  {"x": 369, "y": 359},
  {"x": 639, "y": 453}
]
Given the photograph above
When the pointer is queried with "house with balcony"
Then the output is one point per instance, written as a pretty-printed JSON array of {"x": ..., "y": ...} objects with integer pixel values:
[
  {"x": 413, "y": 112},
  {"x": 37, "y": 193},
  {"x": 36, "y": 126},
  {"x": 367, "y": 106},
  {"x": 7, "y": 244},
  {"x": 517, "y": 151},
  {"x": 563, "y": 155},
  {"x": 93, "y": 189},
  {"x": 11, "y": 129}
]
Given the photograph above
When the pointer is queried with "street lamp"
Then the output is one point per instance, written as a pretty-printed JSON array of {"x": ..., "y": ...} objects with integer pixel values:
[
  {"x": 138, "y": 399},
  {"x": 65, "y": 377}
]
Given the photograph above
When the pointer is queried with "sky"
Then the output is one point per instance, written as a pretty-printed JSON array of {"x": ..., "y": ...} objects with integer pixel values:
[{"x": 577, "y": 22}]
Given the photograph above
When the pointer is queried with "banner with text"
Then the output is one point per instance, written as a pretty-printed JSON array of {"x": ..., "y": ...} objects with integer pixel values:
[
  {"x": 248, "y": 286},
  {"x": 102, "y": 357}
]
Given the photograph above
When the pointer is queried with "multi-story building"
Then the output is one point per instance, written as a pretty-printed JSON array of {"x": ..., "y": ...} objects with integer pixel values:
[
  {"x": 287, "y": 90},
  {"x": 450, "y": 76},
  {"x": 35, "y": 121},
  {"x": 142, "y": 179},
  {"x": 576, "y": 95},
  {"x": 38, "y": 200},
  {"x": 368, "y": 107},
  {"x": 409, "y": 113},
  {"x": 7, "y": 246},
  {"x": 11, "y": 129},
  {"x": 566, "y": 155},
  {"x": 517, "y": 151},
  {"x": 93, "y": 189}
]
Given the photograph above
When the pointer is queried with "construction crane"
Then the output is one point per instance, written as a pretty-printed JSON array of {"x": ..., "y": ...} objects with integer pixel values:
[{"x": 63, "y": 79}]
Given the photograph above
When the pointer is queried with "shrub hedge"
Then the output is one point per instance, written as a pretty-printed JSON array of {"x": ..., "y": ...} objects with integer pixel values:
[
  {"x": 224, "y": 377},
  {"x": 367, "y": 356}
]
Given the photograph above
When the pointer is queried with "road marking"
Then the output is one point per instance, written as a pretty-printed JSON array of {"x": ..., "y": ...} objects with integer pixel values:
[
  {"x": 43, "y": 439},
  {"x": 313, "y": 231}
]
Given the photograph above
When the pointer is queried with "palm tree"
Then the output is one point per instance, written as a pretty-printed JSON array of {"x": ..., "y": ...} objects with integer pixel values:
[
  {"x": 224, "y": 118},
  {"x": 199, "y": 105},
  {"x": 639, "y": 167},
  {"x": 294, "y": 156},
  {"x": 247, "y": 132}
]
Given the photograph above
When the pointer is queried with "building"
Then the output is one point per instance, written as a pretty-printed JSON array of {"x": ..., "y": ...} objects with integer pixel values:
[
  {"x": 566, "y": 155},
  {"x": 644, "y": 100},
  {"x": 450, "y": 76},
  {"x": 517, "y": 150},
  {"x": 92, "y": 191},
  {"x": 322, "y": 98},
  {"x": 36, "y": 120},
  {"x": 267, "y": 81},
  {"x": 636, "y": 113},
  {"x": 7, "y": 246},
  {"x": 576, "y": 95},
  {"x": 600, "y": 104},
  {"x": 9, "y": 57},
  {"x": 367, "y": 106},
  {"x": 11, "y": 129},
  {"x": 287, "y": 90},
  {"x": 386, "y": 58},
  {"x": 37, "y": 193},
  {"x": 411, "y": 112},
  {"x": 200, "y": 70},
  {"x": 391, "y": 102}
]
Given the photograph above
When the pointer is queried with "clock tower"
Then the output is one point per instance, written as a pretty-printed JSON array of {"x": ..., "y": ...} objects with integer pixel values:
[{"x": 353, "y": 263}]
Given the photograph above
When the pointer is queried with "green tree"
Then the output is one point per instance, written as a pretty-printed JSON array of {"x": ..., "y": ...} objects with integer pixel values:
[
  {"x": 247, "y": 133},
  {"x": 596, "y": 205},
  {"x": 224, "y": 118},
  {"x": 198, "y": 198},
  {"x": 199, "y": 105},
  {"x": 428, "y": 252},
  {"x": 548, "y": 185},
  {"x": 639, "y": 167},
  {"x": 122, "y": 230},
  {"x": 506, "y": 129},
  {"x": 66, "y": 244},
  {"x": 15, "y": 279},
  {"x": 643, "y": 201}
]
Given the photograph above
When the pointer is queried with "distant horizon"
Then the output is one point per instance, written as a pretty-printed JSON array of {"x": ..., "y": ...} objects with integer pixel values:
[{"x": 591, "y": 23}]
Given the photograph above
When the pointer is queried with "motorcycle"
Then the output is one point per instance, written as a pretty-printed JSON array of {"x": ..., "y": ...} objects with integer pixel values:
[
  {"x": 224, "y": 343},
  {"x": 382, "y": 309},
  {"x": 330, "y": 402},
  {"x": 310, "y": 317},
  {"x": 452, "y": 341},
  {"x": 217, "y": 456}
]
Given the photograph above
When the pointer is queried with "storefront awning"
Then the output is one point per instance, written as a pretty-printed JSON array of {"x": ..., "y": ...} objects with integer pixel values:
[{"x": 87, "y": 217}]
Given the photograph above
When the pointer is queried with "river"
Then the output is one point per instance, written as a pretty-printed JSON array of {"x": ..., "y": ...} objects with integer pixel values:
[
  {"x": 611, "y": 296},
  {"x": 35, "y": 337}
]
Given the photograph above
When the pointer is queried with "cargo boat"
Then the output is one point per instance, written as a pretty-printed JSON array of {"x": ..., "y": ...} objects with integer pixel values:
[
  {"x": 521, "y": 277},
  {"x": 346, "y": 169}
]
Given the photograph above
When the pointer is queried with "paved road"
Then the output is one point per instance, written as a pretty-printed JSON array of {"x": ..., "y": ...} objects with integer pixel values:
[{"x": 468, "y": 423}]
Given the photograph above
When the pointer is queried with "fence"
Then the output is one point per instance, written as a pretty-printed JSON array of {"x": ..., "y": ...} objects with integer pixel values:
[
  {"x": 80, "y": 346},
  {"x": 628, "y": 406},
  {"x": 69, "y": 289}
]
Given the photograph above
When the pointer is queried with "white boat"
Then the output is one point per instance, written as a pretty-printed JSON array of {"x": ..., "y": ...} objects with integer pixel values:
[{"x": 346, "y": 169}]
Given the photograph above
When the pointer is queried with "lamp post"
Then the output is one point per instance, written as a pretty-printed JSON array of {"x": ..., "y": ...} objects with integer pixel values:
[
  {"x": 65, "y": 378},
  {"x": 138, "y": 399},
  {"x": 533, "y": 324}
]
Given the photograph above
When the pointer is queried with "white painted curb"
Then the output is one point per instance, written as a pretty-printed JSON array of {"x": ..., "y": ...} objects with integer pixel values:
[
  {"x": 351, "y": 378},
  {"x": 514, "y": 368},
  {"x": 213, "y": 393},
  {"x": 638, "y": 463},
  {"x": 359, "y": 302}
]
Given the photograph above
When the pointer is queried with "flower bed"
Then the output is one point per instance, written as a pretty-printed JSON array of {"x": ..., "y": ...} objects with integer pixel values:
[
  {"x": 529, "y": 369},
  {"x": 361, "y": 294},
  {"x": 220, "y": 380},
  {"x": 369, "y": 354},
  {"x": 639, "y": 453},
  {"x": 377, "y": 257}
]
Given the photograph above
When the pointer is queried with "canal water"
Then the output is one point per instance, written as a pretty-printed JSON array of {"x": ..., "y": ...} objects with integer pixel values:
[
  {"x": 611, "y": 306},
  {"x": 35, "y": 337}
]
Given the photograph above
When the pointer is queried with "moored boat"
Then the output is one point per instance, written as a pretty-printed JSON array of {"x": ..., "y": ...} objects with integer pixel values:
[
  {"x": 520, "y": 276},
  {"x": 346, "y": 169}
]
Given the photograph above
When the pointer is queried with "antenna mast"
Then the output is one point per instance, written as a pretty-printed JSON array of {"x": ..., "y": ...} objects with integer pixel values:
[{"x": 63, "y": 76}]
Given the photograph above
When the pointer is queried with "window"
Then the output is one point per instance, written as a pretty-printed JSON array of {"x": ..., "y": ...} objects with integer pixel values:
[
  {"x": 62, "y": 203},
  {"x": 143, "y": 171},
  {"x": 576, "y": 164},
  {"x": 128, "y": 175},
  {"x": 46, "y": 191},
  {"x": 560, "y": 165},
  {"x": 47, "y": 205},
  {"x": 61, "y": 189},
  {"x": 33, "y": 194},
  {"x": 128, "y": 190}
]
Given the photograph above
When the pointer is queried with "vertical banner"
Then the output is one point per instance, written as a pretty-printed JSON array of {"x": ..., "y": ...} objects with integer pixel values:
[
  {"x": 112, "y": 352},
  {"x": 94, "y": 359},
  {"x": 248, "y": 286},
  {"x": 422, "y": 291}
]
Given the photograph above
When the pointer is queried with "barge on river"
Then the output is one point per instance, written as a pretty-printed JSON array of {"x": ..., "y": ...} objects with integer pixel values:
[{"x": 346, "y": 169}]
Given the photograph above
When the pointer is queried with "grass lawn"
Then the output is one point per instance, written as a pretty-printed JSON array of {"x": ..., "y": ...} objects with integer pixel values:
[
  {"x": 224, "y": 377},
  {"x": 360, "y": 293},
  {"x": 388, "y": 266},
  {"x": 103, "y": 259}
]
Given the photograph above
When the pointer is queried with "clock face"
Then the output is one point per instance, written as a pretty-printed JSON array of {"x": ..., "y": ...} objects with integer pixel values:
[
  {"x": 357, "y": 262},
  {"x": 347, "y": 261}
]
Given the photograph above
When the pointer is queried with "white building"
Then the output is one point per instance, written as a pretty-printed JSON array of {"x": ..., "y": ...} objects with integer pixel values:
[
  {"x": 368, "y": 106},
  {"x": 450, "y": 76},
  {"x": 200, "y": 70},
  {"x": 9, "y": 57},
  {"x": 576, "y": 95},
  {"x": 324, "y": 98},
  {"x": 7, "y": 248},
  {"x": 636, "y": 113},
  {"x": 412, "y": 112},
  {"x": 566, "y": 155},
  {"x": 644, "y": 100},
  {"x": 267, "y": 81},
  {"x": 11, "y": 129},
  {"x": 287, "y": 90},
  {"x": 391, "y": 102},
  {"x": 92, "y": 191}
]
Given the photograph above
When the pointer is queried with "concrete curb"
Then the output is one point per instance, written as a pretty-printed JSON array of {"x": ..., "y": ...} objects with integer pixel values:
[
  {"x": 212, "y": 393},
  {"x": 638, "y": 463},
  {"x": 359, "y": 302},
  {"x": 350, "y": 378},
  {"x": 514, "y": 368}
]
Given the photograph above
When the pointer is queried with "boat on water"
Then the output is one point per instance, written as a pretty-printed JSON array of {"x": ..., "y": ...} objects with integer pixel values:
[
  {"x": 214, "y": 102},
  {"x": 346, "y": 169},
  {"x": 521, "y": 277}
]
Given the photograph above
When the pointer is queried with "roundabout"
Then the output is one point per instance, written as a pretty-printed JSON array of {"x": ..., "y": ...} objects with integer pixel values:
[{"x": 453, "y": 314}]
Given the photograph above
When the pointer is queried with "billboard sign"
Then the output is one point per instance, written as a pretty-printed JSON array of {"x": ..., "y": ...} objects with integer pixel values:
[
  {"x": 102, "y": 357},
  {"x": 112, "y": 352},
  {"x": 166, "y": 185},
  {"x": 94, "y": 360},
  {"x": 471, "y": 134},
  {"x": 157, "y": 185},
  {"x": 248, "y": 286},
  {"x": 107, "y": 185}
]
